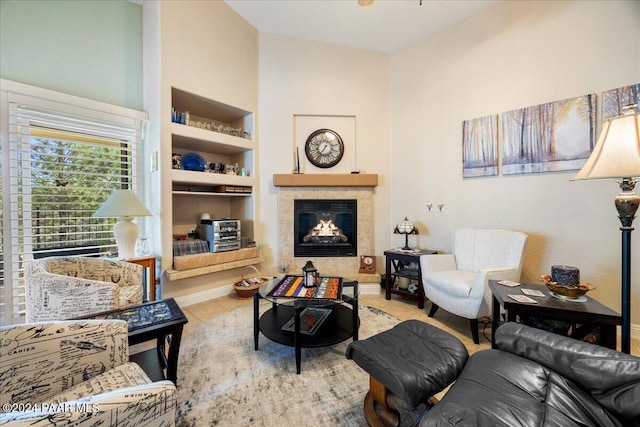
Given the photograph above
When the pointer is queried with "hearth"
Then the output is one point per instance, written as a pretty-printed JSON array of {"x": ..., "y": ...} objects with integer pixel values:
[{"x": 325, "y": 228}]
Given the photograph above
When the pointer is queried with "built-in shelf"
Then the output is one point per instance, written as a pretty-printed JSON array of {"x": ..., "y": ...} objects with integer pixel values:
[
  {"x": 326, "y": 180},
  {"x": 210, "y": 193},
  {"x": 172, "y": 274},
  {"x": 207, "y": 178}
]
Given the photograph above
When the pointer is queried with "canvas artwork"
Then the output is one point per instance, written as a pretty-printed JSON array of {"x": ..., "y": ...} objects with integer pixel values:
[
  {"x": 613, "y": 100},
  {"x": 549, "y": 137},
  {"x": 480, "y": 146}
]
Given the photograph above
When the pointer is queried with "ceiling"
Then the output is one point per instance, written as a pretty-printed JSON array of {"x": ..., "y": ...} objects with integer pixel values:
[{"x": 384, "y": 26}]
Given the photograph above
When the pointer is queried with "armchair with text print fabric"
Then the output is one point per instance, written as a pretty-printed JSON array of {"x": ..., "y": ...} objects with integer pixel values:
[
  {"x": 60, "y": 288},
  {"x": 77, "y": 373}
]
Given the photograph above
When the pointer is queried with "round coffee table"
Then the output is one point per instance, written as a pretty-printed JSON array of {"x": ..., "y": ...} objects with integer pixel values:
[{"x": 341, "y": 324}]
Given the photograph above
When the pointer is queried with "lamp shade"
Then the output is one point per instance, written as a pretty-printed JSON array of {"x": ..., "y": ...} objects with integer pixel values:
[
  {"x": 405, "y": 227},
  {"x": 617, "y": 152},
  {"x": 122, "y": 204}
]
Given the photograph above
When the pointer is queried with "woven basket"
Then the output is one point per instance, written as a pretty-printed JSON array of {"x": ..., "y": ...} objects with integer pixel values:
[{"x": 246, "y": 287}]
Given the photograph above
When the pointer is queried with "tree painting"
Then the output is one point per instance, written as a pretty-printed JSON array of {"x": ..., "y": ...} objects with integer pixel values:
[
  {"x": 480, "y": 146},
  {"x": 615, "y": 99},
  {"x": 549, "y": 137}
]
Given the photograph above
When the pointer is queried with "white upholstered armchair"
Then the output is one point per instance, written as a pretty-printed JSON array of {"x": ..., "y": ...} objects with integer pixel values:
[
  {"x": 458, "y": 282},
  {"x": 60, "y": 288},
  {"x": 77, "y": 373}
]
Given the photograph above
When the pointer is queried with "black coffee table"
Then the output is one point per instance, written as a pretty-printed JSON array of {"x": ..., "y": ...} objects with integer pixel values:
[
  {"x": 589, "y": 314},
  {"x": 162, "y": 321},
  {"x": 341, "y": 324}
]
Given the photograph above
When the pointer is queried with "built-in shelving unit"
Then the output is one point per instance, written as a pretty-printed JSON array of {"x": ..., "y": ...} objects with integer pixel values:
[{"x": 209, "y": 133}]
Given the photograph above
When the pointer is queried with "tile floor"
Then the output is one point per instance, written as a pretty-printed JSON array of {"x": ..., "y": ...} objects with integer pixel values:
[{"x": 401, "y": 308}]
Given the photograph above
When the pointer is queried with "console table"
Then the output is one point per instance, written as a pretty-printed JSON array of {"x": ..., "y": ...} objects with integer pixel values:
[
  {"x": 398, "y": 263},
  {"x": 590, "y": 314}
]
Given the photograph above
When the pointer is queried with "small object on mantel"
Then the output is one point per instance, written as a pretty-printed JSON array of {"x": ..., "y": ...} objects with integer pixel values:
[{"x": 355, "y": 172}]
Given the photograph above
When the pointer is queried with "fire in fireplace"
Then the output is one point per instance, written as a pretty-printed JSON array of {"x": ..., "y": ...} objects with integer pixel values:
[{"x": 325, "y": 228}]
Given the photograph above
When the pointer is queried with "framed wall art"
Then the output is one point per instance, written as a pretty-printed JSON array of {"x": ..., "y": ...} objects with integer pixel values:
[
  {"x": 615, "y": 99},
  {"x": 555, "y": 136},
  {"x": 480, "y": 146}
]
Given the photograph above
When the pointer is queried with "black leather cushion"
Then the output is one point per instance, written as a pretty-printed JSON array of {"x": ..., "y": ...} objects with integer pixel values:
[
  {"x": 497, "y": 388},
  {"x": 613, "y": 378},
  {"x": 414, "y": 360}
]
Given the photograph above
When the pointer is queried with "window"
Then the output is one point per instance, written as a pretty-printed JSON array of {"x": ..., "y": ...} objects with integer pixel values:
[{"x": 65, "y": 155}]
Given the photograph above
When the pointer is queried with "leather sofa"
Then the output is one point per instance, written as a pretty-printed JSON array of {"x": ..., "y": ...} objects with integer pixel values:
[
  {"x": 534, "y": 378},
  {"x": 537, "y": 378}
]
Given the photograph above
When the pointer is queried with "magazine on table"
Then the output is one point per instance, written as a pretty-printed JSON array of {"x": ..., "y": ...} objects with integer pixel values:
[{"x": 311, "y": 319}]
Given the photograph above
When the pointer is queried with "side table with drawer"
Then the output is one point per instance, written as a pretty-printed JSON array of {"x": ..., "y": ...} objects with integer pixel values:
[{"x": 406, "y": 264}]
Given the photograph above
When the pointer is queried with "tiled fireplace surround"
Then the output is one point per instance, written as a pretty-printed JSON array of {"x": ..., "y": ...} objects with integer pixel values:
[{"x": 340, "y": 266}]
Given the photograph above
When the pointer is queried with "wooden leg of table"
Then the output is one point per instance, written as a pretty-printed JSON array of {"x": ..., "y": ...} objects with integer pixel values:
[
  {"x": 387, "y": 279},
  {"x": 172, "y": 359},
  {"x": 256, "y": 319},
  {"x": 495, "y": 318},
  {"x": 608, "y": 336},
  {"x": 296, "y": 337}
]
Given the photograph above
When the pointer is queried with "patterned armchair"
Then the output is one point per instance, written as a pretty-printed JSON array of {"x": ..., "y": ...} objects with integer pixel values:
[
  {"x": 60, "y": 288},
  {"x": 77, "y": 373}
]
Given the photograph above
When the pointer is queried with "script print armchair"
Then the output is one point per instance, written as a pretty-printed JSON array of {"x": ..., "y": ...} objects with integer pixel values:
[
  {"x": 458, "y": 282},
  {"x": 77, "y": 373},
  {"x": 60, "y": 288}
]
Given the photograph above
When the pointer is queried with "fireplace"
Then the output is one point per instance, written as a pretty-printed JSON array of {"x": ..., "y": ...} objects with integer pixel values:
[{"x": 325, "y": 228}]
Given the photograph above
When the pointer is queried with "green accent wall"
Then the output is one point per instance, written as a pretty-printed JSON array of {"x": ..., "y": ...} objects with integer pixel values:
[{"x": 91, "y": 49}]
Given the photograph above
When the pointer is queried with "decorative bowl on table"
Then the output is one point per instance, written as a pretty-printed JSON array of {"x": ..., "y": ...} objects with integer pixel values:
[{"x": 566, "y": 291}]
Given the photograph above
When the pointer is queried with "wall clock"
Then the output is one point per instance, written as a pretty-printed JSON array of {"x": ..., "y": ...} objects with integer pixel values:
[
  {"x": 324, "y": 148},
  {"x": 367, "y": 264}
]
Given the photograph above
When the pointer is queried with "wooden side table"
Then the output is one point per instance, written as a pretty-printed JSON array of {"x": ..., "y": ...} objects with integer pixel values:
[
  {"x": 590, "y": 314},
  {"x": 398, "y": 263},
  {"x": 161, "y": 321},
  {"x": 150, "y": 281}
]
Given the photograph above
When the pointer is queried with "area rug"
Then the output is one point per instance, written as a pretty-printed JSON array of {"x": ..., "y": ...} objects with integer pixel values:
[{"x": 223, "y": 381}]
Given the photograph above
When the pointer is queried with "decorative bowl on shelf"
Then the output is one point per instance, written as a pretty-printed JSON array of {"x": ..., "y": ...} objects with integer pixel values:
[
  {"x": 193, "y": 162},
  {"x": 566, "y": 291}
]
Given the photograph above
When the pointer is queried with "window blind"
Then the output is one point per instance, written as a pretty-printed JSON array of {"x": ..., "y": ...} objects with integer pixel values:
[{"x": 62, "y": 167}]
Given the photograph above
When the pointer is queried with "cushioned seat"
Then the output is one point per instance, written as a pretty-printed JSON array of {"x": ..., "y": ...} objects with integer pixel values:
[
  {"x": 60, "y": 288},
  {"x": 458, "y": 282},
  {"x": 413, "y": 360},
  {"x": 78, "y": 373}
]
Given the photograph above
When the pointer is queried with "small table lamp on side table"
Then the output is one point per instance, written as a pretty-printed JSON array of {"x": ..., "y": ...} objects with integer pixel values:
[{"x": 406, "y": 227}]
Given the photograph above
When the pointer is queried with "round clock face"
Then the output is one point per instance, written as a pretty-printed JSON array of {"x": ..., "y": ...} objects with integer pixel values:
[
  {"x": 368, "y": 260},
  {"x": 324, "y": 148}
]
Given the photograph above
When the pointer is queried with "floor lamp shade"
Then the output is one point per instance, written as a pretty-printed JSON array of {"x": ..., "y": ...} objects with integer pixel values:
[
  {"x": 125, "y": 205},
  {"x": 617, "y": 156}
]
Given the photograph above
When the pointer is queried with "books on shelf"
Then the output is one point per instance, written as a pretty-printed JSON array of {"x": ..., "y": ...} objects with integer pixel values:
[{"x": 311, "y": 319}]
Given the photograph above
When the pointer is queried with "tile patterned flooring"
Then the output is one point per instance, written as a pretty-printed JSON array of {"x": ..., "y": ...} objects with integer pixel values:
[{"x": 399, "y": 307}]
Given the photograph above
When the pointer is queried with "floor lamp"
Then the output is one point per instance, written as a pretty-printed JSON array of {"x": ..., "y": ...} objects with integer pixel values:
[{"x": 617, "y": 156}]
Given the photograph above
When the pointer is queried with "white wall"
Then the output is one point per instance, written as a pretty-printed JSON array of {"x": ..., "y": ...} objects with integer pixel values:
[
  {"x": 84, "y": 48},
  {"x": 304, "y": 77},
  {"x": 514, "y": 55}
]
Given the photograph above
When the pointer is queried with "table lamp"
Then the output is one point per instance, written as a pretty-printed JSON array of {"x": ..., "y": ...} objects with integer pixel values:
[
  {"x": 617, "y": 156},
  {"x": 125, "y": 205},
  {"x": 405, "y": 227}
]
